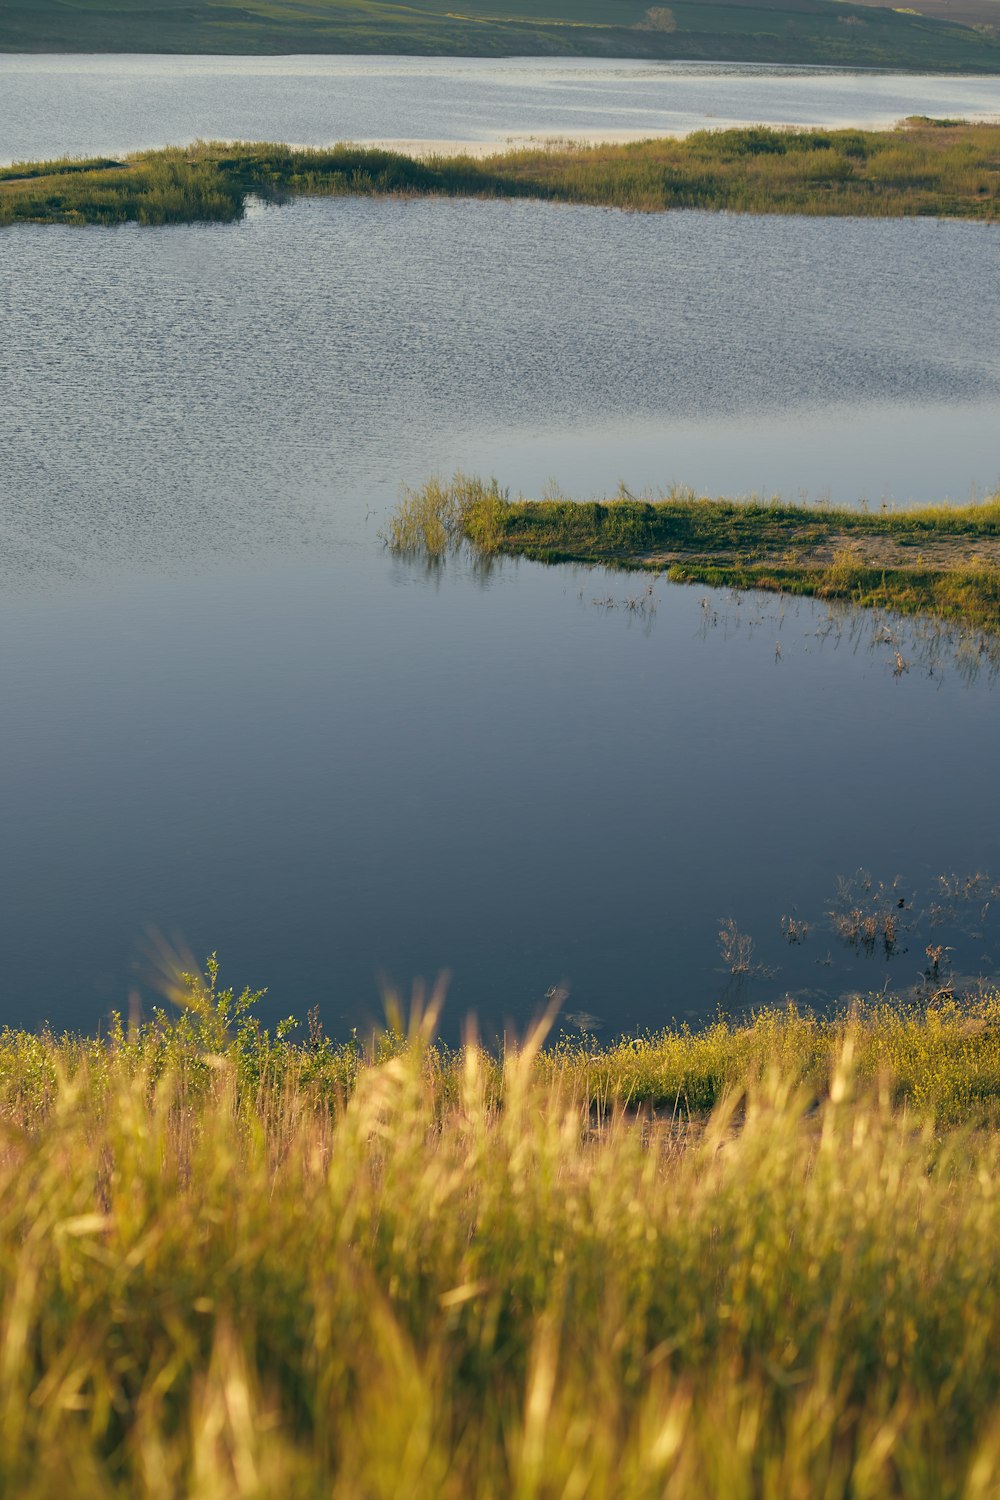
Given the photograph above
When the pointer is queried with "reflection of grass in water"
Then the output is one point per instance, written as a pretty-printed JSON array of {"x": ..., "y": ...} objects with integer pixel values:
[
  {"x": 970, "y": 595},
  {"x": 926, "y": 168},
  {"x": 235, "y": 1265},
  {"x": 935, "y": 646},
  {"x": 951, "y": 925},
  {"x": 937, "y": 560}
]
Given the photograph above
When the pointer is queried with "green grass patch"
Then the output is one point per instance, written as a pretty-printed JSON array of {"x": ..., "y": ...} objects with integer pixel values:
[
  {"x": 924, "y": 168},
  {"x": 937, "y": 560},
  {"x": 752, "y": 1260}
]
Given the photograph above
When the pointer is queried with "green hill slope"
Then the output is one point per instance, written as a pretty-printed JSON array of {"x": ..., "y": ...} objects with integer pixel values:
[{"x": 803, "y": 31}]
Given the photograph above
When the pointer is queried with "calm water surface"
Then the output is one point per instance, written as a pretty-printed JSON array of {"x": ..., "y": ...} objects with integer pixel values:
[
  {"x": 54, "y": 105},
  {"x": 229, "y": 715}
]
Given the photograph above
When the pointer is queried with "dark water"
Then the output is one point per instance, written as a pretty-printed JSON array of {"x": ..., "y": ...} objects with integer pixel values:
[
  {"x": 228, "y": 714},
  {"x": 57, "y": 105}
]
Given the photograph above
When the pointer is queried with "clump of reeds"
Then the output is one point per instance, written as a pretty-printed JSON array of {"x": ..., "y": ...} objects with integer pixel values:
[
  {"x": 437, "y": 517},
  {"x": 424, "y": 522},
  {"x": 869, "y": 915},
  {"x": 868, "y": 929},
  {"x": 735, "y": 947},
  {"x": 794, "y": 929}
]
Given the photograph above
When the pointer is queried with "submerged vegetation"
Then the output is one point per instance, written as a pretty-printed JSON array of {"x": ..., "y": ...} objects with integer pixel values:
[
  {"x": 927, "y": 167},
  {"x": 937, "y": 560},
  {"x": 234, "y": 1264}
]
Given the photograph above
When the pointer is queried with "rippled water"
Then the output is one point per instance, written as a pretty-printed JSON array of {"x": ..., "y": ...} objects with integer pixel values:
[
  {"x": 186, "y": 394},
  {"x": 228, "y": 714},
  {"x": 54, "y": 105}
]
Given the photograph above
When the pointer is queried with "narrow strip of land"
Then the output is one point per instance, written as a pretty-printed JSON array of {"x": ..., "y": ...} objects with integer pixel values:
[
  {"x": 925, "y": 167},
  {"x": 941, "y": 560}
]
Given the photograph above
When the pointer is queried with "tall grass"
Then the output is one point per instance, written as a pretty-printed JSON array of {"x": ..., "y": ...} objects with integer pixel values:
[
  {"x": 233, "y": 1265},
  {"x": 437, "y": 517},
  {"x": 928, "y": 167}
]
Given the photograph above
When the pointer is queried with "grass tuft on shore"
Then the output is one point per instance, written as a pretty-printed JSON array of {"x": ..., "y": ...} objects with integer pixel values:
[{"x": 233, "y": 1264}]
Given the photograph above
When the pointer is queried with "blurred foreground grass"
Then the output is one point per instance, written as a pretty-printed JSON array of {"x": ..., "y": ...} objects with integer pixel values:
[{"x": 234, "y": 1264}]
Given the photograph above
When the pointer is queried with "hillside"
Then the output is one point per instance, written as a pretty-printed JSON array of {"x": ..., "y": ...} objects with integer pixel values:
[{"x": 788, "y": 31}]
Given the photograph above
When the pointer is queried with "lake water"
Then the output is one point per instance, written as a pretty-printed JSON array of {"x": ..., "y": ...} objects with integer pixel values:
[
  {"x": 230, "y": 716},
  {"x": 58, "y": 105}
]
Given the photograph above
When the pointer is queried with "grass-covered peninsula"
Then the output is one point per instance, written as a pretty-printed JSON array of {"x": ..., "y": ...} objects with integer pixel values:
[
  {"x": 757, "y": 1260},
  {"x": 937, "y": 560},
  {"x": 840, "y": 33},
  {"x": 925, "y": 167}
]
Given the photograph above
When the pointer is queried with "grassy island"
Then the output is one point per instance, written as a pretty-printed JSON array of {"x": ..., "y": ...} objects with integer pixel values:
[
  {"x": 928, "y": 167},
  {"x": 946, "y": 35},
  {"x": 756, "y": 1260},
  {"x": 939, "y": 560}
]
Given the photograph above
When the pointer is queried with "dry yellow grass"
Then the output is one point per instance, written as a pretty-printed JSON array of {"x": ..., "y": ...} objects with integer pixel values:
[{"x": 232, "y": 1266}]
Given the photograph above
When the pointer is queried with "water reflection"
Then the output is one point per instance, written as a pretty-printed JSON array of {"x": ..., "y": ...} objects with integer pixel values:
[
  {"x": 934, "y": 647},
  {"x": 229, "y": 714},
  {"x": 323, "y": 777},
  {"x": 917, "y": 936},
  {"x": 885, "y": 936}
]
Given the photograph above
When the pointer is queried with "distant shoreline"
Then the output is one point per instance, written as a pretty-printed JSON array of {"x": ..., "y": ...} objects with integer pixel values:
[{"x": 950, "y": 36}]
